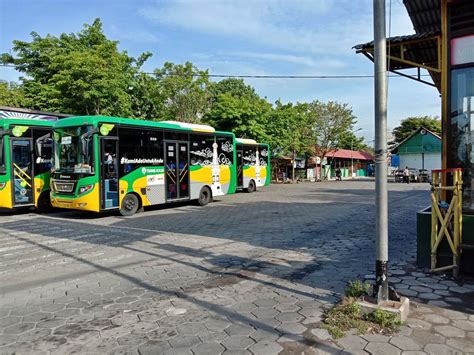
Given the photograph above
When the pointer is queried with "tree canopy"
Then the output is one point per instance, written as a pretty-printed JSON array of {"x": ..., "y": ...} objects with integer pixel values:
[
  {"x": 86, "y": 73},
  {"x": 411, "y": 124}
]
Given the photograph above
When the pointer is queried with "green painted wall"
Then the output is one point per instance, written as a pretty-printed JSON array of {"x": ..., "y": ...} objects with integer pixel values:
[{"x": 420, "y": 143}]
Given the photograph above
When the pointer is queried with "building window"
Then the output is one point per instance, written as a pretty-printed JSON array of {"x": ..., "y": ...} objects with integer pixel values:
[{"x": 461, "y": 130}]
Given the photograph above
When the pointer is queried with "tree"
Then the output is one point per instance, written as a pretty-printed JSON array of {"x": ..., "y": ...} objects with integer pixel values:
[
  {"x": 81, "y": 73},
  {"x": 288, "y": 130},
  {"x": 411, "y": 124},
  {"x": 185, "y": 92},
  {"x": 237, "y": 108},
  {"x": 234, "y": 87},
  {"x": 11, "y": 94},
  {"x": 330, "y": 121},
  {"x": 348, "y": 140}
]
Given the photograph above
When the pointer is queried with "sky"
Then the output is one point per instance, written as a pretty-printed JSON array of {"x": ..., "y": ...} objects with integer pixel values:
[{"x": 247, "y": 37}]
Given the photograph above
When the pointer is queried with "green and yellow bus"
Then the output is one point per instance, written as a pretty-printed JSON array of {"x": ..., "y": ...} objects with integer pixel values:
[
  {"x": 25, "y": 158},
  {"x": 253, "y": 164},
  {"x": 108, "y": 163}
]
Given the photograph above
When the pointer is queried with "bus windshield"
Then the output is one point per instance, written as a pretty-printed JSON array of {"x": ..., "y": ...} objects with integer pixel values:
[{"x": 74, "y": 150}]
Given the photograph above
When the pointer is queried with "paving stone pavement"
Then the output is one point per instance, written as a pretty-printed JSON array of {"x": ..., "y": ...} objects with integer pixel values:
[{"x": 248, "y": 274}]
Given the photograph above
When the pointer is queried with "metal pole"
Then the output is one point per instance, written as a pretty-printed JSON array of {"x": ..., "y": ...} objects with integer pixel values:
[
  {"x": 352, "y": 158},
  {"x": 381, "y": 202}
]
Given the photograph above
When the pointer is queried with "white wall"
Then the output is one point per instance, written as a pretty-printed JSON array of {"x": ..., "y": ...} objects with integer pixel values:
[{"x": 432, "y": 161}]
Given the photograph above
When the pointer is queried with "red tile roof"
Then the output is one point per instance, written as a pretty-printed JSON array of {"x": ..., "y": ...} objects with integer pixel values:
[{"x": 348, "y": 154}]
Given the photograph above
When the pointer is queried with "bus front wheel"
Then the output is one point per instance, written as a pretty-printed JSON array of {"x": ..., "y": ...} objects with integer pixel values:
[
  {"x": 205, "y": 196},
  {"x": 130, "y": 205},
  {"x": 251, "y": 187}
]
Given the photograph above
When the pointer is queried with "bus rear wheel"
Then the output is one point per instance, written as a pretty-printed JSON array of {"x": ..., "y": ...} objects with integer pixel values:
[
  {"x": 205, "y": 196},
  {"x": 251, "y": 188},
  {"x": 44, "y": 203},
  {"x": 130, "y": 205}
]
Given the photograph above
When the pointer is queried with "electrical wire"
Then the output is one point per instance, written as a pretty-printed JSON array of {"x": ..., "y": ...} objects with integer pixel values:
[{"x": 350, "y": 76}]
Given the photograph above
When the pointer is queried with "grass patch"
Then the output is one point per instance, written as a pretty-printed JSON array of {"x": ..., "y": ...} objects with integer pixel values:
[
  {"x": 357, "y": 288},
  {"x": 347, "y": 315}
]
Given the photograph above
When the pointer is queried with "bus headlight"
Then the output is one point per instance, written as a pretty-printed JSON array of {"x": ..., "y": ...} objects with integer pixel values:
[
  {"x": 2, "y": 185},
  {"x": 84, "y": 189}
]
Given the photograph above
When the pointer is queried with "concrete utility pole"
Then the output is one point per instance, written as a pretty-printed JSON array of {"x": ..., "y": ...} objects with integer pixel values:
[{"x": 381, "y": 202}]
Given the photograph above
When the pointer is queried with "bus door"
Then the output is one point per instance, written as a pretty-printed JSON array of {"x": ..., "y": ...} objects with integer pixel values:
[
  {"x": 177, "y": 170},
  {"x": 108, "y": 173},
  {"x": 240, "y": 166},
  {"x": 22, "y": 171}
]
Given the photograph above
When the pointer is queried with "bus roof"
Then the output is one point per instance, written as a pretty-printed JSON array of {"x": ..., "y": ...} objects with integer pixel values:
[
  {"x": 248, "y": 141},
  {"x": 5, "y": 123},
  {"x": 95, "y": 120}
]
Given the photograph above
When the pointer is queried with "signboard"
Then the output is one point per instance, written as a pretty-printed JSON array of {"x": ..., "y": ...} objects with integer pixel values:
[
  {"x": 26, "y": 116},
  {"x": 462, "y": 50}
]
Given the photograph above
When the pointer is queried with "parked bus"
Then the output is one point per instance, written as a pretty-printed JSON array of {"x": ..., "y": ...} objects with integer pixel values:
[
  {"x": 24, "y": 174},
  {"x": 108, "y": 163},
  {"x": 253, "y": 164}
]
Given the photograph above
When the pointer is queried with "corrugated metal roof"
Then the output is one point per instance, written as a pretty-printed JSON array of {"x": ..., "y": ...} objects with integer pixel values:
[
  {"x": 424, "y": 14},
  {"x": 398, "y": 39},
  {"x": 350, "y": 154}
]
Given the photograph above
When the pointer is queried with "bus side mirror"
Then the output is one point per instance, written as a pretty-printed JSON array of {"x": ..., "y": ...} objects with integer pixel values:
[
  {"x": 42, "y": 142},
  {"x": 85, "y": 145}
]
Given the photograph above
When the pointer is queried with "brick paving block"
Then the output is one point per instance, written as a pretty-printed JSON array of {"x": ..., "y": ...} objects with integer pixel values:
[
  {"x": 435, "y": 319},
  {"x": 376, "y": 338},
  {"x": 439, "y": 349},
  {"x": 162, "y": 334},
  {"x": 429, "y": 296},
  {"x": 207, "y": 349},
  {"x": 320, "y": 333},
  {"x": 352, "y": 342},
  {"x": 453, "y": 315},
  {"x": 267, "y": 335},
  {"x": 266, "y": 347},
  {"x": 239, "y": 329},
  {"x": 34, "y": 335},
  {"x": 421, "y": 289},
  {"x": 287, "y": 307},
  {"x": 291, "y": 328},
  {"x": 382, "y": 348},
  {"x": 265, "y": 302},
  {"x": 184, "y": 342},
  {"x": 217, "y": 324},
  {"x": 464, "y": 345},
  {"x": 413, "y": 352},
  {"x": 154, "y": 348},
  {"x": 37, "y": 317},
  {"x": 193, "y": 328},
  {"x": 6, "y": 339},
  {"x": 19, "y": 328},
  {"x": 438, "y": 303},
  {"x": 449, "y": 331},
  {"x": 289, "y": 317},
  {"x": 405, "y": 343},
  {"x": 426, "y": 337},
  {"x": 236, "y": 342},
  {"x": 459, "y": 289},
  {"x": 261, "y": 312},
  {"x": 10, "y": 320},
  {"x": 237, "y": 352},
  {"x": 467, "y": 325}
]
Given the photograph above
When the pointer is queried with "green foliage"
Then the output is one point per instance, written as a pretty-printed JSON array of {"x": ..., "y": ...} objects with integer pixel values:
[
  {"x": 411, "y": 124},
  {"x": 81, "y": 73},
  {"x": 330, "y": 121},
  {"x": 236, "y": 107},
  {"x": 385, "y": 319},
  {"x": 184, "y": 90},
  {"x": 348, "y": 140},
  {"x": 11, "y": 94},
  {"x": 357, "y": 288},
  {"x": 347, "y": 315}
]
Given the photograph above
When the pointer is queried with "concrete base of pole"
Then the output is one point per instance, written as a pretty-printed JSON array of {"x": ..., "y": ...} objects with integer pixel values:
[{"x": 400, "y": 308}]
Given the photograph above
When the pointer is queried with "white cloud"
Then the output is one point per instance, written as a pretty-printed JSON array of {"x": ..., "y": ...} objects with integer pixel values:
[{"x": 300, "y": 26}]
